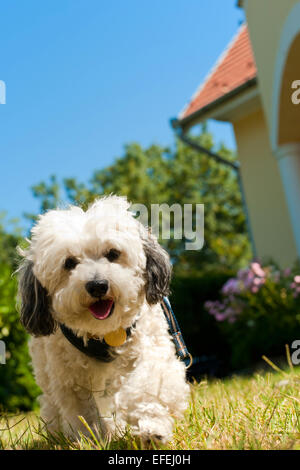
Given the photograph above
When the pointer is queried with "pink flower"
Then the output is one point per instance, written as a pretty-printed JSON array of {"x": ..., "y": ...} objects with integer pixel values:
[
  {"x": 231, "y": 287},
  {"x": 297, "y": 279},
  {"x": 257, "y": 269},
  {"x": 220, "y": 316},
  {"x": 247, "y": 277}
]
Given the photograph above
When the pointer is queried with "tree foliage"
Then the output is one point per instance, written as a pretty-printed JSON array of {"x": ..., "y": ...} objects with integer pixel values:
[
  {"x": 17, "y": 386},
  {"x": 157, "y": 175}
]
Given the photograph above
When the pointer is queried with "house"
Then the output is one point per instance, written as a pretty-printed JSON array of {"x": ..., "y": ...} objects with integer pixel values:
[{"x": 253, "y": 85}]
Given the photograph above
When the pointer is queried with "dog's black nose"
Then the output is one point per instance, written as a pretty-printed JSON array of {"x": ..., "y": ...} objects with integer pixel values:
[{"x": 97, "y": 288}]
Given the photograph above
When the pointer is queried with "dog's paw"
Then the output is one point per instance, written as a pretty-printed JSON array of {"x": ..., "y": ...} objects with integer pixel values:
[{"x": 154, "y": 431}]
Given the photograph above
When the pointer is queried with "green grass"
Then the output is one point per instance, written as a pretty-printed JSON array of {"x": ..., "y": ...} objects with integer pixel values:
[{"x": 257, "y": 412}]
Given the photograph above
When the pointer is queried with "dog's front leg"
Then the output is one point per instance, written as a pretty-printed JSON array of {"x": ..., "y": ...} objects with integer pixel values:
[
  {"x": 153, "y": 395},
  {"x": 112, "y": 419},
  {"x": 72, "y": 405}
]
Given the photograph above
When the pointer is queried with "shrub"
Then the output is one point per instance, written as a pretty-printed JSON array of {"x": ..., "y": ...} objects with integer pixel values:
[
  {"x": 200, "y": 331},
  {"x": 17, "y": 387},
  {"x": 259, "y": 312}
]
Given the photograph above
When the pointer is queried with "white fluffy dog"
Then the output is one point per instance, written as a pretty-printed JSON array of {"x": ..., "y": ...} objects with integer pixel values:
[{"x": 98, "y": 276}]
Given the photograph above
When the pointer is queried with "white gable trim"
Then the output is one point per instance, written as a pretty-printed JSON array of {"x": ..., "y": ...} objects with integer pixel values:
[{"x": 212, "y": 71}]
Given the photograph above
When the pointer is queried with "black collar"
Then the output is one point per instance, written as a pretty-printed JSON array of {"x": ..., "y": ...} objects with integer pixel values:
[
  {"x": 94, "y": 348},
  {"x": 103, "y": 352}
]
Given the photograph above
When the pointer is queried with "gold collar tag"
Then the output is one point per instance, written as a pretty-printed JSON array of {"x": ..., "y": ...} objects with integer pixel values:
[{"x": 116, "y": 338}]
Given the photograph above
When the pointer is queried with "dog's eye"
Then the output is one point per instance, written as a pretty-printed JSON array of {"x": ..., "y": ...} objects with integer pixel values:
[
  {"x": 113, "y": 254},
  {"x": 70, "y": 263}
]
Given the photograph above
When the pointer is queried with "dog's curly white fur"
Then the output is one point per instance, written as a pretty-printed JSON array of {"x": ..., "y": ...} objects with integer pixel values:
[{"x": 144, "y": 386}]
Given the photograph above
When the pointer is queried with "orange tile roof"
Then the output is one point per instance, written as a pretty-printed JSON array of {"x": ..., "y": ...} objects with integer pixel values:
[{"x": 235, "y": 67}]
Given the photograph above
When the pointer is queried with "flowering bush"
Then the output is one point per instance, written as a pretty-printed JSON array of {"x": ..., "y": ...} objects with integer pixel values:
[{"x": 259, "y": 311}]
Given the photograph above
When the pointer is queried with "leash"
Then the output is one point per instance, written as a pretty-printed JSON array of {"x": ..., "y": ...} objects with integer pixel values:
[
  {"x": 101, "y": 351},
  {"x": 181, "y": 349}
]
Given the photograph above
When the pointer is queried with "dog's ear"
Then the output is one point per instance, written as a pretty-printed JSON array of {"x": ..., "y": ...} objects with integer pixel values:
[
  {"x": 35, "y": 303},
  {"x": 158, "y": 271}
]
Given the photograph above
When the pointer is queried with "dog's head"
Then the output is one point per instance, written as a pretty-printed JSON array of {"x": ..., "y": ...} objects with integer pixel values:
[{"x": 91, "y": 270}]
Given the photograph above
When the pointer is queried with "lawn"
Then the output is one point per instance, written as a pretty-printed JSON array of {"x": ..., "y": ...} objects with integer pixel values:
[{"x": 261, "y": 411}]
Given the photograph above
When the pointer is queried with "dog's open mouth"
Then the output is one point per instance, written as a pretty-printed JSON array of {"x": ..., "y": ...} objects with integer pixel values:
[{"x": 102, "y": 309}]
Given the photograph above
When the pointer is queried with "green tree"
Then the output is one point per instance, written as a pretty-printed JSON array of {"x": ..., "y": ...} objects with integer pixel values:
[
  {"x": 157, "y": 175},
  {"x": 17, "y": 386}
]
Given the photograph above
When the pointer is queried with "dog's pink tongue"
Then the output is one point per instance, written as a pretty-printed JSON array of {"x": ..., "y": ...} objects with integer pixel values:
[{"x": 101, "y": 309}]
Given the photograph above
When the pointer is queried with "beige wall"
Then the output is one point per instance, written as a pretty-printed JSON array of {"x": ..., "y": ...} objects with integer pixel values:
[
  {"x": 289, "y": 113},
  {"x": 265, "y": 22},
  {"x": 266, "y": 203}
]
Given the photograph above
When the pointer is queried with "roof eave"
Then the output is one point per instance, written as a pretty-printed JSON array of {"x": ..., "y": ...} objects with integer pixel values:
[{"x": 195, "y": 117}]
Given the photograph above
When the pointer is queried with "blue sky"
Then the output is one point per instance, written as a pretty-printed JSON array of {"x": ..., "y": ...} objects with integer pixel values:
[{"x": 84, "y": 77}]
